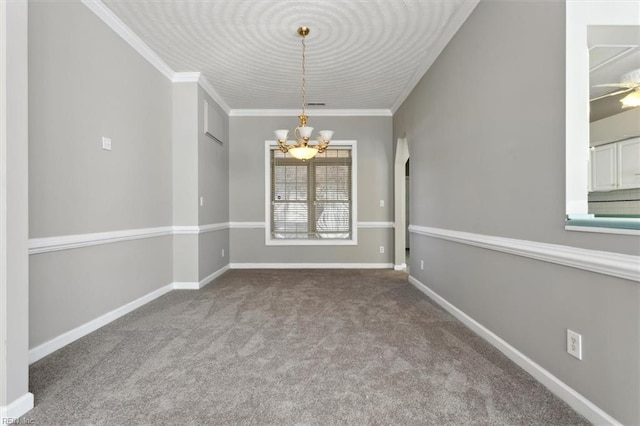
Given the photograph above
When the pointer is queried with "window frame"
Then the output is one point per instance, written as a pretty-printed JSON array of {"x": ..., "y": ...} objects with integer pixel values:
[
  {"x": 579, "y": 16},
  {"x": 351, "y": 144}
]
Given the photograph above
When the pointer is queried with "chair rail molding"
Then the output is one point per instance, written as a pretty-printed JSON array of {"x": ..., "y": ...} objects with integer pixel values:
[
  {"x": 67, "y": 242},
  {"x": 603, "y": 262}
]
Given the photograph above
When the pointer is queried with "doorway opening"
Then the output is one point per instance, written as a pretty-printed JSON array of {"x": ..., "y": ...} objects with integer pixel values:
[{"x": 401, "y": 204}]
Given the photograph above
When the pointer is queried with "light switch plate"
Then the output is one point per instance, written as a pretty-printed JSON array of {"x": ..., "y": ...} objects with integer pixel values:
[{"x": 106, "y": 143}]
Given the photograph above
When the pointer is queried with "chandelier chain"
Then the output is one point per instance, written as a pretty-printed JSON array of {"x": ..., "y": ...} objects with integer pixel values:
[{"x": 304, "y": 70}]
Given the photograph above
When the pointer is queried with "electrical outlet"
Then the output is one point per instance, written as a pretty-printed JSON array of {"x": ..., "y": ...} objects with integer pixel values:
[
  {"x": 381, "y": 249},
  {"x": 381, "y": 203},
  {"x": 574, "y": 344},
  {"x": 222, "y": 252},
  {"x": 421, "y": 264},
  {"x": 106, "y": 143}
]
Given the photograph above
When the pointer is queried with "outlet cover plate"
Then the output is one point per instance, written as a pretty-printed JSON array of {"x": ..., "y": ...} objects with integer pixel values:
[{"x": 574, "y": 344}]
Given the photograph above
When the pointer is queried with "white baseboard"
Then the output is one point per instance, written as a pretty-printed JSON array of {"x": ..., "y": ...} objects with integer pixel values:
[
  {"x": 401, "y": 267},
  {"x": 64, "y": 339},
  {"x": 311, "y": 265},
  {"x": 185, "y": 285},
  {"x": 214, "y": 275},
  {"x": 575, "y": 400},
  {"x": 9, "y": 414},
  {"x": 198, "y": 285}
]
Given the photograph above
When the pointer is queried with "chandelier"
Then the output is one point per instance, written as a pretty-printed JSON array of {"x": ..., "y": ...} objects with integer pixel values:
[{"x": 301, "y": 149}]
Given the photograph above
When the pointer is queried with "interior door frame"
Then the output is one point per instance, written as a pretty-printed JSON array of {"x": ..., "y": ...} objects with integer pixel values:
[{"x": 400, "y": 204}]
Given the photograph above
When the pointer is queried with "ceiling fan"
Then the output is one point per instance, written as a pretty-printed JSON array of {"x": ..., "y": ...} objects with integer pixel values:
[{"x": 628, "y": 82}]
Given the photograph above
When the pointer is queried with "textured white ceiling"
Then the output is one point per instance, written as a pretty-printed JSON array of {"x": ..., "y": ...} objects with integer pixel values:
[{"x": 361, "y": 54}]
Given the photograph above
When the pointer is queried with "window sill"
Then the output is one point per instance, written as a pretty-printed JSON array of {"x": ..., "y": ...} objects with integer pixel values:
[
  {"x": 604, "y": 225},
  {"x": 293, "y": 242}
]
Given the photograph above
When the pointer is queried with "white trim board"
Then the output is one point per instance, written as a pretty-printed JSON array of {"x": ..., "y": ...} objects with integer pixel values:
[
  {"x": 311, "y": 265},
  {"x": 70, "y": 336},
  {"x": 64, "y": 339},
  {"x": 9, "y": 414},
  {"x": 198, "y": 77},
  {"x": 603, "y": 262},
  {"x": 563, "y": 391},
  {"x": 597, "y": 229},
  {"x": 312, "y": 112},
  {"x": 203, "y": 282},
  {"x": 200, "y": 229},
  {"x": 362, "y": 225},
  {"x": 247, "y": 225},
  {"x": 353, "y": 218},
  {"x": 66, "y": 242},
  {"x": 127, "y": 34},
  {"x": 376, "y": 225}
]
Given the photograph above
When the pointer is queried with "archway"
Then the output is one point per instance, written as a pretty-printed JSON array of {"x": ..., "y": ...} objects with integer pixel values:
[{"x": 400, "y": 204}]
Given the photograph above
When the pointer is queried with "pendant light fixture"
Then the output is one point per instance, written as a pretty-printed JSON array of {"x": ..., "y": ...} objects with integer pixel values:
[{"x": 301, "y": 149}]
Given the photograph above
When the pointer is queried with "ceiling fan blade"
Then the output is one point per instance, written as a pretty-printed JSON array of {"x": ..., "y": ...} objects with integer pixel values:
[
  {"x": 618, "y": 92},
  {"x": 625, "y": 85}
]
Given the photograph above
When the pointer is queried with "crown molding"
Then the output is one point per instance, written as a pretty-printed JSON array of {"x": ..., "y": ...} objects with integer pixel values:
[
  {"x": 312, "y": 112},
  {"x": 197, "y": 77},
  {"x": 120, "y": 28},
  {"x": 458, "y": 18},
  {"x": 208, "y": 87},
  {"x": 185, "y": 77}
]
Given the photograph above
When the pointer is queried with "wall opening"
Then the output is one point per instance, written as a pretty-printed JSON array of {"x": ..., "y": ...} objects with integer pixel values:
[{"x": 401, "y": 204}]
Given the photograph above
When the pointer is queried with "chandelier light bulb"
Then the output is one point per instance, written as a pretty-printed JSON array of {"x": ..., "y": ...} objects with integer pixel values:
[{"x": 631, "y": 100}]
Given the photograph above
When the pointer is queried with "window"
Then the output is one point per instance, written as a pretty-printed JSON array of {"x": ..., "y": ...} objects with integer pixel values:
[{"x": 311, "y": 202}]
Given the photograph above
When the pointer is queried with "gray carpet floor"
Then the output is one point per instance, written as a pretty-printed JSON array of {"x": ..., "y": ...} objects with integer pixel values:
[{"x": 277, "y": 347}]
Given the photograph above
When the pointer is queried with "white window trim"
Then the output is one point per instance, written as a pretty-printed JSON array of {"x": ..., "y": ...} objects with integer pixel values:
[
  {"x": 270, "y": 144},
  {"x": 579, "y": 15}
]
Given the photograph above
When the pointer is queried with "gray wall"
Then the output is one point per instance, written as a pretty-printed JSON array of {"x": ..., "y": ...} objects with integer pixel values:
[
  {"x": 200, "y": 169},
  {"x": 14, "y": 272},
  {"x": 85, "y": 82},
  {"x": 486, "y": 135},
  {"x": 213, "y": 186},
  {"x": 247, "y": 187},
  {"x": 185, "y": 180}
]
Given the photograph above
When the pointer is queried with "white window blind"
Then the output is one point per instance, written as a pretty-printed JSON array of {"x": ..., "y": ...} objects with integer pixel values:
[{"x": 312, "y": 200}]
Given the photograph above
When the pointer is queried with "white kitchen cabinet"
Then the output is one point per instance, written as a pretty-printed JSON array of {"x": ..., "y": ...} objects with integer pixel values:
[
  {"x": 603, "y": 168},
  {"x": 628, "y": 175},
  {"x": 616, "y": 166}
]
